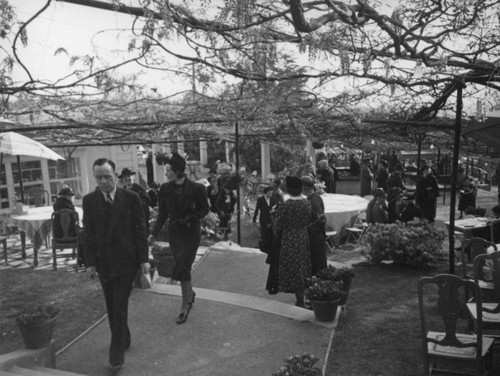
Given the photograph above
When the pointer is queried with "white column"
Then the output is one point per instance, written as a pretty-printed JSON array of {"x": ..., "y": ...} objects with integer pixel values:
[
  {"x": 203, "y": 153},
  {"x": 311, "y": 152},
  {"x": 228, "y": 144},
  {"x": 158, "y": 170},
  {"x": 265, "y": 159}
]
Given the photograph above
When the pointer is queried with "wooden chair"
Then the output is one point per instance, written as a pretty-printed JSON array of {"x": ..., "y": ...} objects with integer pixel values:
[
  {"x": 442, "y": 302},
  {"x": 39, "y": 197},
  {"x": 471, "y": 248},
  {"x": 65, "y": 226},
  {"x": 356, "y": 232},
  {"x": 495, "y": 231},
  {"x": 487, "y": 276}
]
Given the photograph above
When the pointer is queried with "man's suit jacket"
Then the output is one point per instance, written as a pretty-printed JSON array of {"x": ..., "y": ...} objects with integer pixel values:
[
  {"x": 115, "y": 237},
  {"x": 265, "y": 212}
]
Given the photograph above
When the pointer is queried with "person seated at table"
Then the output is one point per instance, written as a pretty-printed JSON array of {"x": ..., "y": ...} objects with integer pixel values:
[
  {"x": 467, "y": 200},
  {"x": 376, "y": 210},
  {"x": 64, "y": 200},
  {"x": 409, "y": 210}
]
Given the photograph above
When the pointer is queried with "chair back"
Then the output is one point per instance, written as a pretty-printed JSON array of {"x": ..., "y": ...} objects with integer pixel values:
[
  {"x": 447, "y": 295},
  {"x": 472, "y": 248},
  {"x": 39, "y": 197},
  {"x": 65, "y": 224},
  {"x": 487, "y": 269},
  {"x": 495, "y": 231}
]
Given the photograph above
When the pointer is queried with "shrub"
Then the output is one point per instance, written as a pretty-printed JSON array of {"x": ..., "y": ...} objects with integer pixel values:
[
  {"x": 416, "y": 243},
  {"x": 332, "y": 273},
  {"x": 36, "y": 314},
  {"x": 299, "y": 365}
]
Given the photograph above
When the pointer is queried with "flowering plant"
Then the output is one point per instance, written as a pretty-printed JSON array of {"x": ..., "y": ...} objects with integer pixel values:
[
  {"x": 324, "y": 290},
  {"x": 36, "y": 314},
  {"x": 209, "y": 225},
  {"x": 416, "y": 243},
  {"x": 332, "y": 273},
  {"x": 299, "y": 365}
]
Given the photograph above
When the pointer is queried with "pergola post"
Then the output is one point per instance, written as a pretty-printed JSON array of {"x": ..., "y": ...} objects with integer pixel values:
[
  {"x": 454, "y": 167},
  {"x": 265, "y": 160},
  {"x": 203, "y": 153}
]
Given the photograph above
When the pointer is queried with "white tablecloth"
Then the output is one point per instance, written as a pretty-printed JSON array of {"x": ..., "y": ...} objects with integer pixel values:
[{"x": 341, "y": 210}]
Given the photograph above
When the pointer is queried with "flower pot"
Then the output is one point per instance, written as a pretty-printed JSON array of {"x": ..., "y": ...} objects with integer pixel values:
[
  {"x": 165, "y": 267},
  {"x": 346, "y": 286},
  {"x": 38, "y": 336},
  {"x": 325, "y": 310}
]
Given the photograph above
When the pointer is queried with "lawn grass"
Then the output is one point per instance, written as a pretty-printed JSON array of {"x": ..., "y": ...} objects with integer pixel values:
[
  {"x": 379, "y": 332},
  {"x": 79, "y": 299}
]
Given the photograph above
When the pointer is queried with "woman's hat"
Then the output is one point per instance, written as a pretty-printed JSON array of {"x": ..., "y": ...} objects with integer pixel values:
[
  {"x": 65, "y": 191},
  {"x": 177, "y": 162},
  {"x": 126, "y": 172},
  {"x": 379, "y": 192}
]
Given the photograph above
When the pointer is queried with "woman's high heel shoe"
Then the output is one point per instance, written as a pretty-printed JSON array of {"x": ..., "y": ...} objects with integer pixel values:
[{"x": 190, "y": 304}]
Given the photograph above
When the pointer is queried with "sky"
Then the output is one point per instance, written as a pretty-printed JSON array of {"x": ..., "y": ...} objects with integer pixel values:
[{"x": 79, "y": 30}]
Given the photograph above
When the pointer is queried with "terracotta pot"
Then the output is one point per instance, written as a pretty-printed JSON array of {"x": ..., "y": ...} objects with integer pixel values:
[
  {"x": 325, "y": 310},
  {"x": 38, "y": 336}
]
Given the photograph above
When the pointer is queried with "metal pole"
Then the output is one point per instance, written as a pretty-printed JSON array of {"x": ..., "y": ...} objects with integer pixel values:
[
  {"x": 419, "y": 152},
  {"x": 454, "y": 167},
  {"x": 238, "y": 195}
]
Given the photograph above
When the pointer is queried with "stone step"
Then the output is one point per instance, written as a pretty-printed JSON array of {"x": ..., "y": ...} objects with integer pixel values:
[{"x": 38, "y": 371}]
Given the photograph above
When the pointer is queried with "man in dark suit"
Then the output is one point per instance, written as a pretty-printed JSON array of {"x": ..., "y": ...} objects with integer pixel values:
[
  {"x": 127, "y": 178},
  {"x": 116, "y": 247},
  {"x": 263, "y": 207}
]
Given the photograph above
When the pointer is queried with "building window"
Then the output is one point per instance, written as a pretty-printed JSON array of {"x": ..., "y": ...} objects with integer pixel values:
[{"x": 65, "y": 172}]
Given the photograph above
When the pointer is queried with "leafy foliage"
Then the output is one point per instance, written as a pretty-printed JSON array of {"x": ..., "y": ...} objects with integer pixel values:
[
  {"x": 416, "y": 243},
  {"x": 299, "y": 365},
  {"x": 36, "y": 314}
]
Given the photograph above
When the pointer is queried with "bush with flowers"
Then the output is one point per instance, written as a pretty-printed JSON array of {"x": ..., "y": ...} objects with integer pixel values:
[
  {"x": 209, "y": 225},
  {"x": 299, "y": 365},
  {"x": 416, "y": 243}
]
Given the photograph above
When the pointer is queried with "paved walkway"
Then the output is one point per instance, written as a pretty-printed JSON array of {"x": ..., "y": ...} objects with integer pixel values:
[{"x": 235, "y": 327}]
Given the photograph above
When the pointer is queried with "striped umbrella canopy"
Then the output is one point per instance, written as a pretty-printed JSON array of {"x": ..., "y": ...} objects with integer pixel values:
[{"x": 15, "y": 144}]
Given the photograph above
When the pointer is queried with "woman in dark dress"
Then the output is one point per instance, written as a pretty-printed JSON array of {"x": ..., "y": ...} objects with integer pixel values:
[
  {"x": 467, "y": 198},
  {"x": 290, "y": 231},
  {"x": 184, "y": 203},
  {"x": 427, "y": 194}
]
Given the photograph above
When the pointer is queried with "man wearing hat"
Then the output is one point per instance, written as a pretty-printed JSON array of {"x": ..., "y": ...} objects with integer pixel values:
[
  {"x": 127, "y": 178},
  {"x": 377, "y": 211},
  {"x": 427, "y": 194},
  {"x": 263, "y": 210},
  {"x": 316, "y": 228},
  {"x": 184, "y": 203},
  {"x": 394, "y": 204},
  {"x": 409, "y": 211}
]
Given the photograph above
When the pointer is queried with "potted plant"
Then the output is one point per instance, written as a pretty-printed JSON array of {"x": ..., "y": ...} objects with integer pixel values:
[
  {"x": 36, "y": 324},
  {"x": 299, "y": 365},
  {"x": 344, "y": 275},
  {"x": 324, "y": 296},
  {"x": 162, "y": 255}
]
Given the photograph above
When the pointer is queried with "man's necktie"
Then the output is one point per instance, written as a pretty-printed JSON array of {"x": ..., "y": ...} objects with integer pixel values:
[{"x": 109, "y": 199}]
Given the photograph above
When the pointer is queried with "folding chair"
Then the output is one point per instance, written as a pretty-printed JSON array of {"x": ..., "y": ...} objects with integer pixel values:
[
  {"x": 330, "y": 240},
  {"x": 442, "y": 300},
  {"x": 355, "y": 233}
]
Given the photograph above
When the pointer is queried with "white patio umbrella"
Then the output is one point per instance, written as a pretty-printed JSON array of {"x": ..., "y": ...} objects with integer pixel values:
[{"x": 15, "y": 144}]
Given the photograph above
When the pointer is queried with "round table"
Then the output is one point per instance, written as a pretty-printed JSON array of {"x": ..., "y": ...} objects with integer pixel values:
[
  {"x": 37, "y": 225},
  {"x": 341, "y": 210}
]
